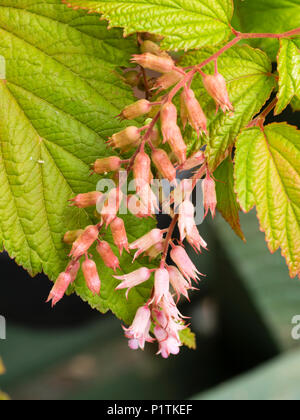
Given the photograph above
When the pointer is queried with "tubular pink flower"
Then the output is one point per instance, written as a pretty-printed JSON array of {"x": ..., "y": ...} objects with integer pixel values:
[
  {"x": 111, "y": 206},
  {"x": 119, "y": 234},
  {"x": 107, "y": 255},
  {"x": 154, "y": 62},
  {"x": 167, "y": 344},
  {"x": 161, "y": 285},
  {"x": 105, "y": 165},
  {"x": 133, "y": 279},
  {"x": 125, "y": 139},
  {"x": 186, "y": 221},
  {"x": 196, "y": 240},
  {"x": 164, "y": 165},
  {"x": 72, "y": 269},
  {"x": 147, "y": 241},
  {"x": 84, "y": 242},
  {"x": 136, "y": 110},
  {"x": 184, "y": 263},
  {"x": 171, "y": 132},
  {"x": 180, "y": 285},
  {"x": 217, "y": 89},
  {"x": 91, "y": 276},
  {"x": 209, "y": 195},
  {"x": 170, "y": 309},
  {"x": 139, "y": 332},
  {"x": 141, "y": 170},
  {"x": 149, "y": 199},
  {"x": 60, "y": 287},
  {"x": 137, "y": 208},
  {"x": 194, "y": 112},
  {"x": 167, "y": 80},
  {"x": 86, "y": 200}
]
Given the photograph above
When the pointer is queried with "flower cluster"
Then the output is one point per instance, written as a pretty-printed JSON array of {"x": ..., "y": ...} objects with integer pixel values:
[{"x": 159, "y": 319}]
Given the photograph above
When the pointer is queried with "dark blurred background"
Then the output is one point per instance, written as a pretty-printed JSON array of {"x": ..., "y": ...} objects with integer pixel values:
[{"x": 242, "y": 317}]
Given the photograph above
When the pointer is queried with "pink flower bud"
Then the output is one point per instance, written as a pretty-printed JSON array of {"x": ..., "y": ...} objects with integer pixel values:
[
  {"x": 209, "y": 196},
  {"x": 111, "y": 206},
  {"x": 84, "y": 242},
  {"x": 164, "y": 165},
  {"x": 105, "y": 165},
  {"x": 118, "y": 231},
  {"x": 147, "y": 241},
  {"x": 171, "y": 131},
  {"x": 217, "y": 89},
  {"x": 167, "y": 343},
  {"x": 186, "y": 220},
  {"x": 161, "y": 285},
  {"x": 71, "y": 236},
  {"x": 194, "y": 112},
  {"x": 168, "y": 80},
  {"x": 139, "y": 332},
  {"x": 125, "y": 139},
  {"x": 195, "y": 240},
  {"x": 91, "y": 276},
  {"x": 107, "y": 255},
  {"x": 133, "y": 279},
  {"x": 141, "y": 170},
  {"x": 154, "y": 62},
  {"x": 73, "y": 269},
  {"x": 184, "y": 263},
  {"x": 60, "y": 287},
  {"x": 136, "y": 110},
  {"x": 178, "y": 282},
  {"x": 86, "y": 200}
]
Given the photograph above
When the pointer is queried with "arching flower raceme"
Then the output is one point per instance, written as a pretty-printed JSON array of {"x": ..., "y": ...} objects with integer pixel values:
[
  {"x": 133, "y": 279},
  {"x": 139, "y": 332}
]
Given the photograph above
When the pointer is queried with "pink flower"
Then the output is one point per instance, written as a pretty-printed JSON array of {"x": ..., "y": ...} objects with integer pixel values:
[
  {"x": 60, "y": 287},
  {"x": 154, "y": 62},
  {"x": 209, "y": 195},
  {"x": 105, "y": 165},
  {"x": 84, "y": 242},
  {"x": 91, "y": 276},
  {"x": 149, "y": 199},
  {"x": 133, "y": 279},
  {"x": 178, "y": 282},
  {"x": 194, "y": 112},
  {"x": 72, "y": 269},
  {"x": 136, "y": 109},
  {"x": 164, "y": 165},
  {"x": 155, "y": 251},
  {"x": 119, "y": 234},
  {"x": 171, "y": 132},
  {"x": 170, "y": 309},
  {"x": 161, "y": 285},
  {"x": 111, "y": 206},
  {"x": 167, "y": 343},
  {"x": 217, "y": 89},
  {"x": 186, "y": 221},
  {"x": 107, "y": 255},
  {"x": 137, "y": 208},
  {"x": 86, "y": 200},
  {"x": 139, "y": 332},
  {"x": 184, "y": 263},
  {"x": 195, "y": 240},
  {"x": 141, "y": 170},
  {"x": 167, "y": 80},
  {"x": 147, "y": 241}
]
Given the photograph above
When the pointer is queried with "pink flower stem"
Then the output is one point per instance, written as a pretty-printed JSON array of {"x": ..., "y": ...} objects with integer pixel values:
[{"x": 168, "y": 239}]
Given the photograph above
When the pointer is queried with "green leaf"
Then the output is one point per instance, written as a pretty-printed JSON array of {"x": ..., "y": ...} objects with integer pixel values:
[
  {"x": 57, "y": 109},
  {"x": 267, "y": 174},
  {"x": 185, "y": 24},
  {"x": 268, "y": 16},
  {"x": 249, "y": 81},
  {"x": 227, "y": 200},
  {"x": 188, "y": 338},
  {"x": 289, "y": 73},
  {"x": 295, "y": 104}
]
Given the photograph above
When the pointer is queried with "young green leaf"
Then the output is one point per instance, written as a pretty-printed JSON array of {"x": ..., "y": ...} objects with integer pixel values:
[
  {"x": 188, "y": 338},
  {"x": 185, "y": 24},
  {"x": 289, "y": 73},
  {"x": 249, "y": 82},
  {"x": 295, "y": 104},
  {"x": 227, "y": 200},
  {"x": 268, "y": 16},
  {"x": 57, "y": 108},
  {"x": 267, "y": 173}
]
